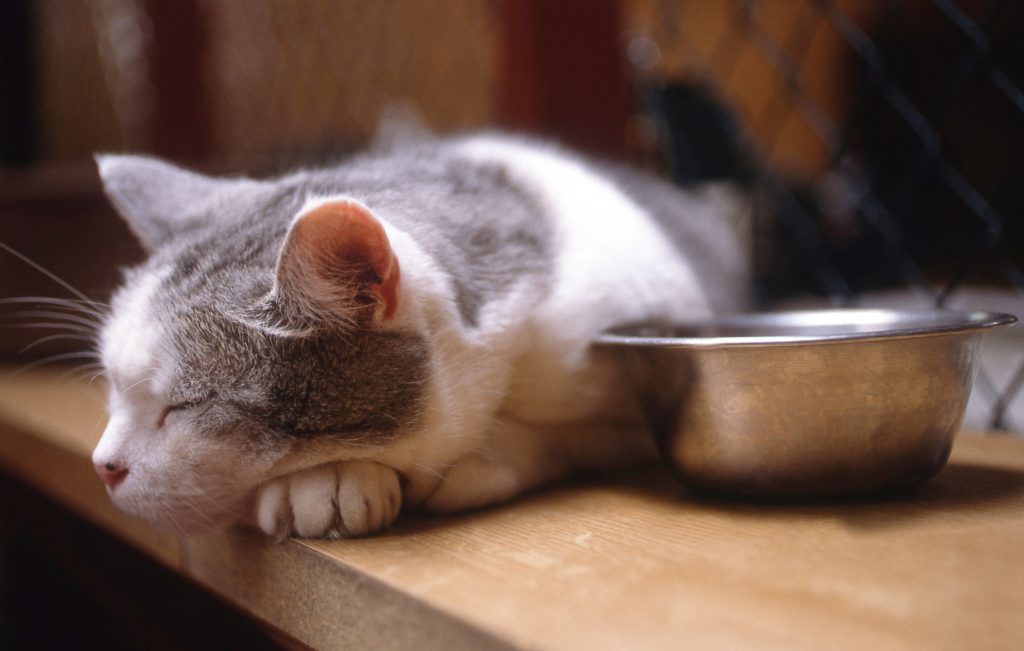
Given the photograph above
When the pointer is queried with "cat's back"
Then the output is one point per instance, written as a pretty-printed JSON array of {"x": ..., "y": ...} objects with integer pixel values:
[{"x": 614, "y": 261}]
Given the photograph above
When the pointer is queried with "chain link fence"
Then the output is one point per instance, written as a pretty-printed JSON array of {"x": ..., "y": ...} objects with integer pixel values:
[{"x": 885, "y": 141}]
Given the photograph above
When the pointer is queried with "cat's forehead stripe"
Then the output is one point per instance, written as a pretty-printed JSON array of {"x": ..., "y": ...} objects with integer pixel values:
[{"x": 131, "y": 339}]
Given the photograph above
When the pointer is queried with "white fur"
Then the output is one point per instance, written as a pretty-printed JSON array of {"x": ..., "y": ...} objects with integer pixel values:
[
  {"x": 128, "y": 347},
  {"x": 130, "y": 339},
  {"x": 316, "y": 201}
]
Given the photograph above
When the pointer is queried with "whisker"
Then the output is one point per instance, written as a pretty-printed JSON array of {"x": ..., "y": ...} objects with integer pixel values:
[
  {"x": 79, "y": 372},
  {"x": 46, "y": 272},
  {"x": 66, "y": 303},
  {"x": 133, "y": 385},
  {"x": 169, "y": 512},
  {"x": 433, "y": 471},
  {"x": 43, "y": 325},
  {"x": 49, "y": 314},
  {"x": 101, "y": 371},
  {"x": 63, "y": 337},
  {"x": 191, "y": 501},
  {"x": 49, "y": 360}
]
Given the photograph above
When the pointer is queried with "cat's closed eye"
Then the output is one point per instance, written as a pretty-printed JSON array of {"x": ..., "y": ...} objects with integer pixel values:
[{"x": 169, "y": 409}]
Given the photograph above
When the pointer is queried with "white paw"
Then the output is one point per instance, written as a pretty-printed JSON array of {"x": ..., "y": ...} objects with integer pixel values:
[{"x": 338, "y": 500}]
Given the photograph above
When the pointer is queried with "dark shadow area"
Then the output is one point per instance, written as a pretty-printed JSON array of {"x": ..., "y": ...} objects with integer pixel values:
[
  {"x": 65, "y": 584},
  {"x": 958, "y": 488}
]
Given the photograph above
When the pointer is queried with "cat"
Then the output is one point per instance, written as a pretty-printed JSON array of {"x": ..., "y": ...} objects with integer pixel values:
[{"x": 313, "y": 353}]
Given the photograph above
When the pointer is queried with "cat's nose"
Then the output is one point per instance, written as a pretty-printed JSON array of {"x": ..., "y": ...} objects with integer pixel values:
[{"x": 111, "y": 472}]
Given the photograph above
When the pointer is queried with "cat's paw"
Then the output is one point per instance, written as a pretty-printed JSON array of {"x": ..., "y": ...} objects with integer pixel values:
[{"x": 338, "y": 500}]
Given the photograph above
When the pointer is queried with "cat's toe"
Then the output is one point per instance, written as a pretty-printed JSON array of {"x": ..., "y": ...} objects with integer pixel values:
[
  {"x": 273, "y": 512},
  {"x": 369, "y": 497},
  {"x": 301, "y": 504},
  {"x": 312, "y": 501}
]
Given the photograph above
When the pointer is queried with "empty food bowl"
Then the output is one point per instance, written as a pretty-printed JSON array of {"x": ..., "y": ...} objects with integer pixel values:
[{"x": 805, "y": 404}]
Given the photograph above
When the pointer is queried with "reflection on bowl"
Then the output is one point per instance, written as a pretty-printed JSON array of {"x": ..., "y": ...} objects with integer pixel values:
[{"x": 799, "y": 404}]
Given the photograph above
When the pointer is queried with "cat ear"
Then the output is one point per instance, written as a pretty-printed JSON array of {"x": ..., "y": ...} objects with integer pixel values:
[
  {"x": 155, "y": 198},
  {"x": 338, "y": 259}
]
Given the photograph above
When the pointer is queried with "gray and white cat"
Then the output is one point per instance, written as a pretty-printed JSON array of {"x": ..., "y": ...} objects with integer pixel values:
[{"x": 411, "y": 327}]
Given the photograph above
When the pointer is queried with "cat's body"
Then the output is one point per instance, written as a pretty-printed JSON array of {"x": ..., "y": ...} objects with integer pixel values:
[{"x": 413, "y": 325}]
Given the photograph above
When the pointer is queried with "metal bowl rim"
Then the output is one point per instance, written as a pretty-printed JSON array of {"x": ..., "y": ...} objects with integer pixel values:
[{"x": 952, "y": 322}]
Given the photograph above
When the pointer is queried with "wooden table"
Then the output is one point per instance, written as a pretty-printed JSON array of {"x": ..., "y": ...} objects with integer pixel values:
[{"x": 631, "y": 562}]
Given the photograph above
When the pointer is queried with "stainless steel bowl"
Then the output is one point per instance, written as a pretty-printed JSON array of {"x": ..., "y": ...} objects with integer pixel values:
[{"x": 800, "y": 404}]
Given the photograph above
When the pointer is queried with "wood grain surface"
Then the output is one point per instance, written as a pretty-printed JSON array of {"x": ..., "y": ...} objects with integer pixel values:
[{"x": 632, "y": 561}]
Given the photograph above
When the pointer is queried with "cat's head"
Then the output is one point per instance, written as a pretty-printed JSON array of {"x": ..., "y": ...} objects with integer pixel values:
[{"x": 263, "y": 329}]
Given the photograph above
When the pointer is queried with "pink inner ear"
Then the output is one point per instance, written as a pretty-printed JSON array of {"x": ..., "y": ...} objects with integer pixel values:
[{"x": 348, "y": 245}]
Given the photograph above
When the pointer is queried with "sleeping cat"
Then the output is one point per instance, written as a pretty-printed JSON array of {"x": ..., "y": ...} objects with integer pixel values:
[{"x": 312, "y": 353}]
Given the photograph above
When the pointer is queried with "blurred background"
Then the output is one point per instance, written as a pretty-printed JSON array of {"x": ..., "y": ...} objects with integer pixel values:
[{"x": 881, "y": 141}]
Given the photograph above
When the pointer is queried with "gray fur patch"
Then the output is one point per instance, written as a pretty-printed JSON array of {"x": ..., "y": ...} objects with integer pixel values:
[
  {"x": 160, "y": 201},
  {"x": 362, "y": 386}
]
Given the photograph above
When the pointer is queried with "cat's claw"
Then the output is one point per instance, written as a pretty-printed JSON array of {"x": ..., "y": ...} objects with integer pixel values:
[{"x": 339, "y": 500}]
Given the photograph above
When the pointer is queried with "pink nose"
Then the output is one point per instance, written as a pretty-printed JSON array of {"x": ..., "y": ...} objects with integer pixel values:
[{"x": 111, "y": 473}]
